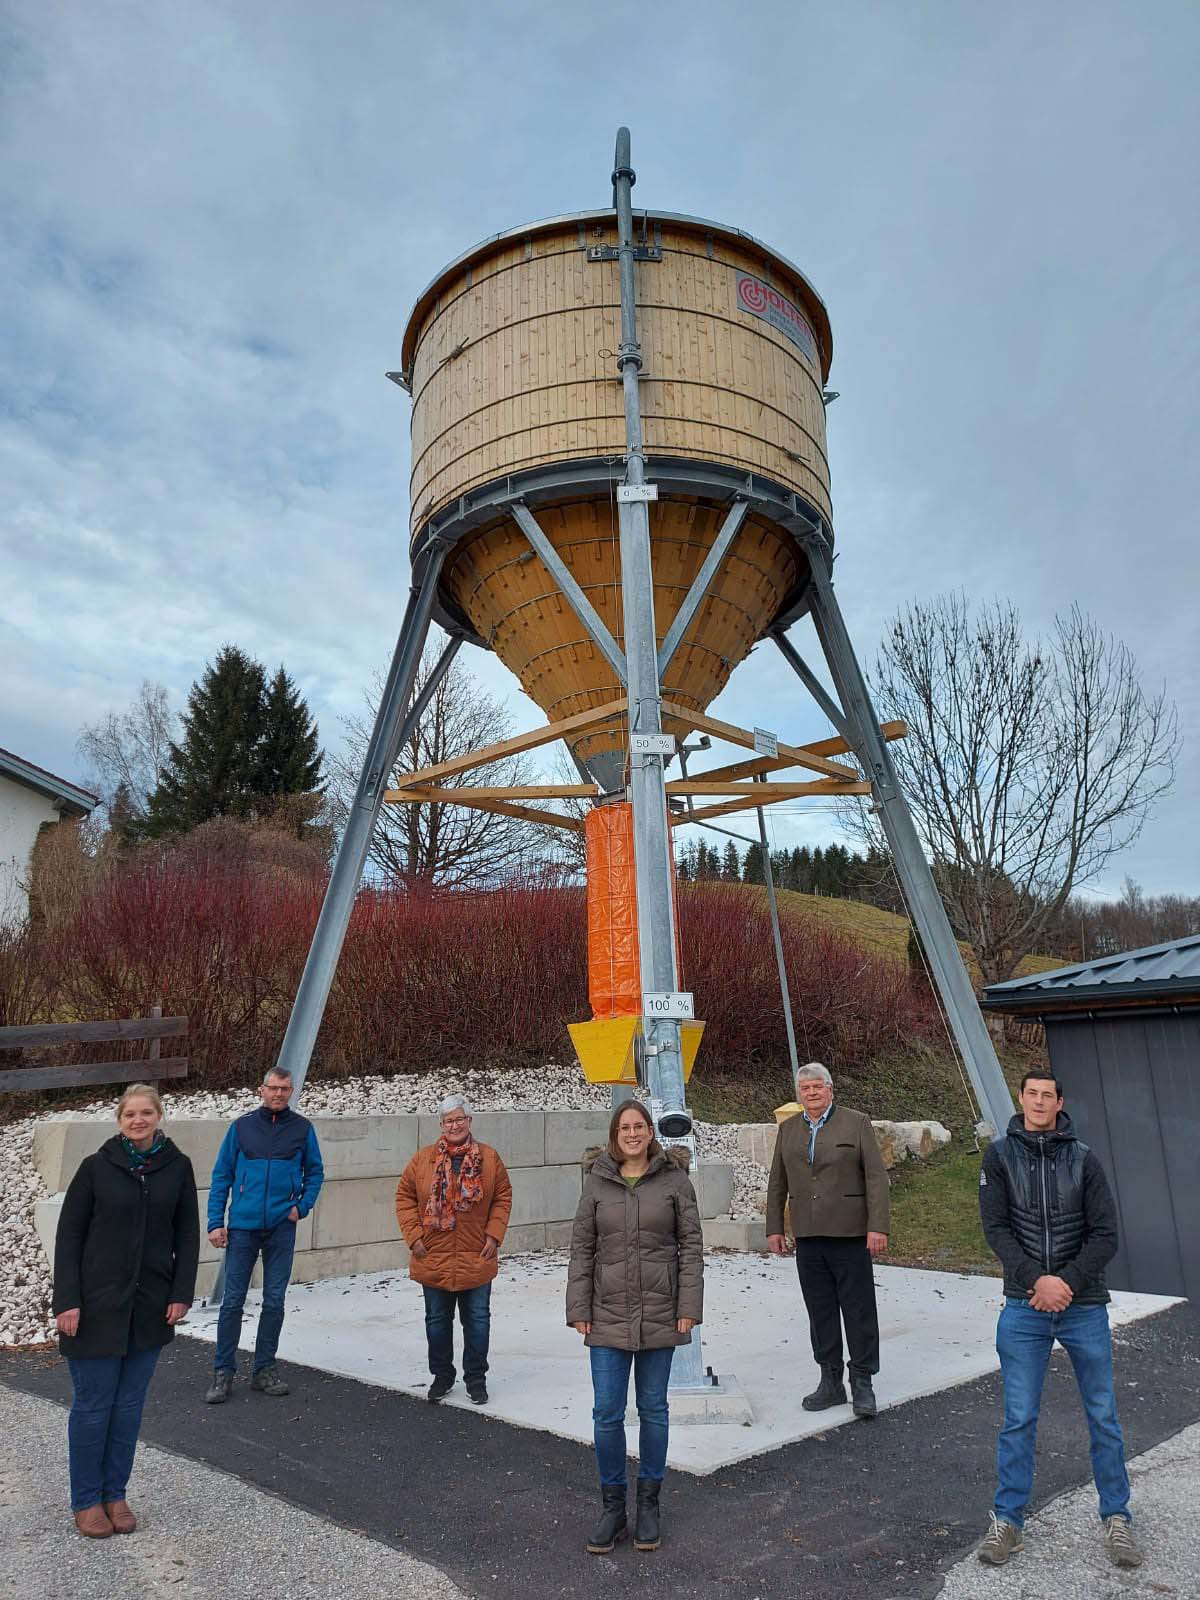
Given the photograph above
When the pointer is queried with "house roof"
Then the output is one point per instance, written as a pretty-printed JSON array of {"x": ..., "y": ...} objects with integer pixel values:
[
  {"x": 1158, "y": 973},
  {"x": 69, "y": 797}
]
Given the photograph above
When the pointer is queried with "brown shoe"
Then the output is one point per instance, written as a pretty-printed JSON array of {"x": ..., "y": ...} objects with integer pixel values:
[
  {"x": 93, "y": 1523},
  {"x": 121, "y": 1517}
]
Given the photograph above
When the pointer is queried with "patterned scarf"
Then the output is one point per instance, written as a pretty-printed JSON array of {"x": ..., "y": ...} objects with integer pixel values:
[
  {"x": 452, "y": 1192},
  {"x": 138, "y": 1158}
]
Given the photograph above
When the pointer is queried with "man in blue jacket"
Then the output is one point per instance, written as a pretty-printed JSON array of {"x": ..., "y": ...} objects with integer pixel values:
[{"x": 271, "y": 1164}]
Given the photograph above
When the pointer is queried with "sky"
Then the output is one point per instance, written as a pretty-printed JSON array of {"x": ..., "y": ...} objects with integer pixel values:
[{"x": 214, "y": 221}]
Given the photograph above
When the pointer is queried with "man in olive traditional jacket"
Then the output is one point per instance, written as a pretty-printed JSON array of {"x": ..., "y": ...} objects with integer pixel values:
[{"x": 827, "y": 1167}]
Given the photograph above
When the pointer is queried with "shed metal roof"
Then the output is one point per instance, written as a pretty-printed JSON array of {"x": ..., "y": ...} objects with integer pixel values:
[{"x": 1159, "y": 972}]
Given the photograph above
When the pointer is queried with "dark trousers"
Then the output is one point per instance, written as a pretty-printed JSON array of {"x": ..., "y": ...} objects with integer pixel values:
[
  {"x": 103, "y": 1425},
  {"x": 475, "y": 1314},
  {"x": 838, "y": 1286},
  {"x": 277, "y": 1246}
]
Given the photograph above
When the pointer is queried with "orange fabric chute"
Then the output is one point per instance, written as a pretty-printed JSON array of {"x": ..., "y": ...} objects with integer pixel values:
[
  {"x": 614, "y": 974},
  {"x": 614, "y": 982}
]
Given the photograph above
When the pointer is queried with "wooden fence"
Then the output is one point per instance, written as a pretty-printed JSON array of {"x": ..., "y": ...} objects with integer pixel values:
[{"x": 149, "y": 1068}]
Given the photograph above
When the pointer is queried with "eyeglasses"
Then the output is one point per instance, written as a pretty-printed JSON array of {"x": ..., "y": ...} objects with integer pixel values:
[{"x": 455, "y": 1122}]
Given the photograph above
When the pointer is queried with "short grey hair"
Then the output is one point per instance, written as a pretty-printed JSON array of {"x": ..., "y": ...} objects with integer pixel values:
[
  {"x": 456, "y": 1102},
  {"x": 813, "y": 1069},
  {"x": 280, "y": 1074}
]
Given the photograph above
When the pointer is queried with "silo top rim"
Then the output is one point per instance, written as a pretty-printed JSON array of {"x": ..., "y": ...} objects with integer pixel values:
[{"x": 812, "y": 301}]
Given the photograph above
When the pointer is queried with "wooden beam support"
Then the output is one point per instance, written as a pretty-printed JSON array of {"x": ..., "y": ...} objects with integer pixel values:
[
  {"x": 505, "y": 808},
  {"x": 759, "y": 793},
  {"x": 519, "y": 791},
  {"x": 727, "y": 807},
  {"x": 39, "y": 1036},
  {"x": 794, "y": 755},
  {"x": 579, "y": 723},
  {"x": 822, "y": 747}
]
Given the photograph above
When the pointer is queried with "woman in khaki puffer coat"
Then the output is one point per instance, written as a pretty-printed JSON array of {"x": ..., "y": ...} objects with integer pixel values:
[{"x": 635, "y": 1290}]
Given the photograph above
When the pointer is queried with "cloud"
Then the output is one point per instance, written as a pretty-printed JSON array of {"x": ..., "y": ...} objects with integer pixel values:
[{"x": 216, "y": 219}]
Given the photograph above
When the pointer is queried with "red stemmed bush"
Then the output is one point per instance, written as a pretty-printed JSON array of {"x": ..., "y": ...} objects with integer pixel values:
[{"x": 430, "y": 979}]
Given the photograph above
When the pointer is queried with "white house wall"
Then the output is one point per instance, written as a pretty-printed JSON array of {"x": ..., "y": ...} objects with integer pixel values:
[{"x": 22, "y": 813}]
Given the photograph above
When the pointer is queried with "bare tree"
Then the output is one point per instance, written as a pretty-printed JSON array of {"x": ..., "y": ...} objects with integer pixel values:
[
  {"x": 446, "y": 845},
  {"x": 128, "y": 751},
  {"x": 1028, "y": 765}
]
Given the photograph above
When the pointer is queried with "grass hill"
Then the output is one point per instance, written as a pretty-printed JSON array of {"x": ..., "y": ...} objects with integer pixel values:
[{"x": 881, "y": 932}]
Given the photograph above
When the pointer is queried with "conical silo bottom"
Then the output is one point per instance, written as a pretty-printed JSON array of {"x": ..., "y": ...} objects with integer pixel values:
[{"x": 513, "y": 603}]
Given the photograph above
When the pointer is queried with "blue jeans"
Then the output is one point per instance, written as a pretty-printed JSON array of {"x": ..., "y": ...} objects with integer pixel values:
[
  {"x": 475, "y": 1314},
  {"x": 1024, "y": 1338},
  {"x": 610, "y": 1393},
  {"x": 103, "y": 1425},
  {"x": 277, "y": 1246}
]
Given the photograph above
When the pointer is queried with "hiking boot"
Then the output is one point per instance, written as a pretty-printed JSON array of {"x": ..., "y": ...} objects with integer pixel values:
[
  {"x": 862, "y": 1395},
  {"x": 613, "y": 1522},
  {"x": 478, "y": 1393},
  {"x": 121, "y": 1517},
  {"x": 267, "y": 1381},
  {"x": 831, "y": 1391},
  {"x": 93, "y": 1523},
  {"x": 1120, "y": 1544},
  {"x": 439, "y": 1389},
  {"x": 645, "y": 1533},
  {"x": 219, "y": 1389},
  {"x": 1002, "y": 1540}
]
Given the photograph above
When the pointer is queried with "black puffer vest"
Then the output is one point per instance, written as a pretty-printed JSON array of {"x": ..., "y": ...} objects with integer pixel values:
[{"x": 1045, "y": 1189}]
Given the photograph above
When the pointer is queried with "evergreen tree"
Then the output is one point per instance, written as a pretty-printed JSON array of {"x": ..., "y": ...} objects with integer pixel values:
[
  {"x": 731, "y": 866},
  {"x": 753, "y": 870},
  {"x": 289, "y": 757},
  {"x": 214, "y": 771}
]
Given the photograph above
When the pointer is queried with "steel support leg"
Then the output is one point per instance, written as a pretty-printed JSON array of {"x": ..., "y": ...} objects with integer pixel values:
[
  {"x": 392, "y": 728},
  {"x": 925, "y": 904}
]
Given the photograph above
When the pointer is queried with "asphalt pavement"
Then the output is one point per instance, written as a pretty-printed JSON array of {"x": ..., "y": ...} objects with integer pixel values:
[{"x": 875, "y": 1511}]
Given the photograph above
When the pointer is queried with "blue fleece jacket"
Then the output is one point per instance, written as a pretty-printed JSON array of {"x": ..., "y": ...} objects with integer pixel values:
[{"x": 269, "y": 1161}]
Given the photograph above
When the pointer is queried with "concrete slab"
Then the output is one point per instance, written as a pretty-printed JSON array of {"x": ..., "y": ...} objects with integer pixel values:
[
  {"x": 570, "y": 1133},
  {"x": 366, "y": 1147},
  {"x": 355, "y": 1211},
  {"x": 545, "y": 1194},
  {"x": 937, "y": 1329}
]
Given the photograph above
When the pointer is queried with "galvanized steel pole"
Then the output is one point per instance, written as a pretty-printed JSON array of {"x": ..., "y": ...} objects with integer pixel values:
[
  {"x": 392, "y": 726},
  {"x": 653, "y": 862},
  {"x": 785, "y": 992},
  {"x": 924, "y": 902},
  {"x": 647, "y": 783}
]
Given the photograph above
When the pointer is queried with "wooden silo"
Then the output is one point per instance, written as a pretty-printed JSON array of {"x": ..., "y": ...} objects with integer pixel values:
[{"x": 509, "y": 355}]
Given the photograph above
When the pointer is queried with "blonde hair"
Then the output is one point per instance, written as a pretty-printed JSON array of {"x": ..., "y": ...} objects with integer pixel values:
[{"x": 140, "y": 1091}]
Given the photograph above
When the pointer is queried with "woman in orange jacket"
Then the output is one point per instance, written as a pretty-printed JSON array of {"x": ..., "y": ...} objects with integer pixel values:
[{"x": 453, "y": 1203}]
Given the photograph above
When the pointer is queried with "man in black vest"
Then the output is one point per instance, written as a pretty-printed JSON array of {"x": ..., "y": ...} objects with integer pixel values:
[{"x": 1049, "y": 1215}]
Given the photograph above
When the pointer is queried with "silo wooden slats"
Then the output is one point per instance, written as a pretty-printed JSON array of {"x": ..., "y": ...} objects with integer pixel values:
[
  {"x": 512, "y": 366},
  {"x": 511, "y": 359}
]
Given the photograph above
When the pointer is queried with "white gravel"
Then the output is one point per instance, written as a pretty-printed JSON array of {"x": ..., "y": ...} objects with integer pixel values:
[{"x": 24, "y": 1273}]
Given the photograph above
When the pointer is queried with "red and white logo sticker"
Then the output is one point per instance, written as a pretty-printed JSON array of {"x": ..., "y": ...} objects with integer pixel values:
[{"x": 761, "y": 300}]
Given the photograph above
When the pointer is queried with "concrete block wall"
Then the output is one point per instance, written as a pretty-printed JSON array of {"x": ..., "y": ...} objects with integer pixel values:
[{"x": 353, "y": 1228}]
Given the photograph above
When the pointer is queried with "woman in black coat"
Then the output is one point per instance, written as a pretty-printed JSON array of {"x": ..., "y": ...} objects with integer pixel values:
[{"x": 125, "y": 1259}]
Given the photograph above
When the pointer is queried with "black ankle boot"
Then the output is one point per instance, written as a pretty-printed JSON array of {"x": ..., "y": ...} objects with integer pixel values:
[
  {"x": 862, "y": 1395},
  {"x": 831, "y": 1391},
  {"x": 612, "y": 1524},
  {"x": 645, "y": 1534}
]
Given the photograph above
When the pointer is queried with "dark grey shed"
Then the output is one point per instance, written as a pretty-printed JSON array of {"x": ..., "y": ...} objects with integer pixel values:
[{"x": 1123, "y": 1034}]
